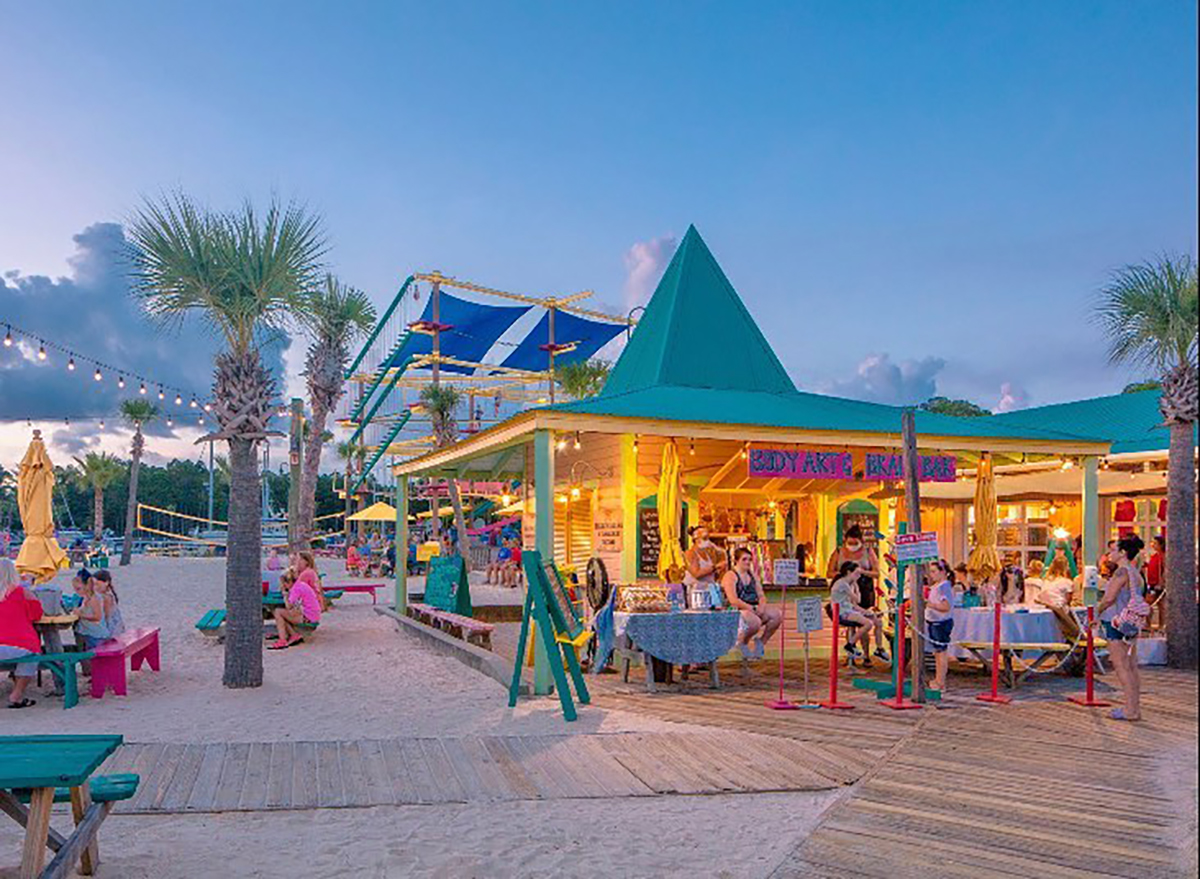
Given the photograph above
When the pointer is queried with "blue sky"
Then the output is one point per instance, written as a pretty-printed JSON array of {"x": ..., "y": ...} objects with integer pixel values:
[{"x": 909, "y": 196}]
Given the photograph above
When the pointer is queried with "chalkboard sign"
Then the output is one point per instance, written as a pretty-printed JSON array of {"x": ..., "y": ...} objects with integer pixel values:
[
  {"x": 560, "y": 605},
  {"x": 649, "y": 542},
  {"x": 446, "y": 585}
]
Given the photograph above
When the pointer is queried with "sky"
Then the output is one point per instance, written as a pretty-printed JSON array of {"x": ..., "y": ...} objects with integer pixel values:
[{"x": 912, "y": 198}]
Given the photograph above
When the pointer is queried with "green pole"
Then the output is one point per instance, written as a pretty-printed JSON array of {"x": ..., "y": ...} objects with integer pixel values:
[
  {"x": 1091, "y": 510},
  {"x": 402, "y": 545},
  {"x": 543, "y": 538}
]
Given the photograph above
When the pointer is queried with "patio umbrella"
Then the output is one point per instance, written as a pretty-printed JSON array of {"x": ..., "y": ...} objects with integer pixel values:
[
  {"x": 670, "y": 553},
  {"x": 40, "y": 554},
  {"x": 984, "y": 562},
  {"x": 377, "y": 512}
]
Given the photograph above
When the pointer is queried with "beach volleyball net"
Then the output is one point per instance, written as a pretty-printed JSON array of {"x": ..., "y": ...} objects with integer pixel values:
[{"x": 176, "y": 527}]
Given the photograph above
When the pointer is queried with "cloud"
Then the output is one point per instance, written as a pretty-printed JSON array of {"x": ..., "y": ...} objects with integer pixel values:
[
  {"x": 1012, "y": 397},
  {"x": 879, "y": 380},
  {"x": 645, "y": 262},
  {"x": 91, "y": 312}
]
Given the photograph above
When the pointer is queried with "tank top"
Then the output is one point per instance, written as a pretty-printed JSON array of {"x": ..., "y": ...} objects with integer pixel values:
[
  {"x": 1135, "y": 582},
  {"x": 747, "y": 592},
  {"x": 94, "y": 628}
]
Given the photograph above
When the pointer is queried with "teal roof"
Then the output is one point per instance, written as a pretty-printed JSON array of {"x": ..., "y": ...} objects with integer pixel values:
[
  {"x": 1131, "y": 422},
  {"x": 696, "y": 333},
  {"x": 697, "y": 355}
]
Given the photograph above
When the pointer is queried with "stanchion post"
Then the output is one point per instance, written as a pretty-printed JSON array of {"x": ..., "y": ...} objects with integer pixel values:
[
  {"x": 782, "y": 704},
  {"x": 1088, "y": 699},
  {"x": 995, "y": 697},
  {"x": 898, "y": 702},
  {"x": 832, "y": 702}
]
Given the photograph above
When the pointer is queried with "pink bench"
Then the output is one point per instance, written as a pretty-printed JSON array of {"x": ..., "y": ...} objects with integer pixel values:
[
  {"x": 359, "y": 587},
  {"x": 108, "y": 666}
]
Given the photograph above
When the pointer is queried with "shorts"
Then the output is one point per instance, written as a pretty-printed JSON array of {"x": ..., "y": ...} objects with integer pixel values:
[
  {"x": 1112, "y": 633},
  {"x": 91, "y": 642},
  {"x": 847, "y": 623},
  {"x": 939, "y": 634},
  {"x": 23, "y": 669}
]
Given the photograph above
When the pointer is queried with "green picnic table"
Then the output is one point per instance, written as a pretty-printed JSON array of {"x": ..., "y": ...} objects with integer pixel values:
[{"x": 42, "y": 770}]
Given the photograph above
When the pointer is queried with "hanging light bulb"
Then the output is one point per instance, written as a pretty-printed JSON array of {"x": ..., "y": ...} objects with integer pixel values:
[
  {"x": 743, "y": 452},
  {"x": 121, "y": 382},
  {"x": 161, "y": 395},
  {"x": 201, "y": 420},
  {"x": 41, "y": 351},
  {"x": 142, "y": 389},
  {"x": 67, "y": 422},
  {"x": 562, "y": 443},
  {"x": 178, "y": 400},
  {"x": 102, "y": 424},
  {"x": 97, "y": 375},
  {"x": 208, "y": 407},
  {"x": 691, "y": 447},
  {"x": 193, "y": 404},
  {"x": 578, "y": 444},
  {"x": 635, "y": 443},
  {"x": 8, "y": 337},
  {"x": 71, "y": 365},
  {"x": 170, "y": 422}
]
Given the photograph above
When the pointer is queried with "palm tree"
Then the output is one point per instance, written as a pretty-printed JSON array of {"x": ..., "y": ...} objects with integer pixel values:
[
  {"x": 137, "y": 413},
  {"x": 1149, "y": 312},
  {"x": 98, "y": 470},
  {"x": 440, "y": 401},
  {"x": 247, "y": 275},
  {"x": 355, "y": 456},
  {"x": 582, "y": 379},
  {"x": 337, "y": 315}
]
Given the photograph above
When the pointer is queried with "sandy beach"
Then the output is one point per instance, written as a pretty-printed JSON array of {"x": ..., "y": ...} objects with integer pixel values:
[{"x": 361, "y": 679}]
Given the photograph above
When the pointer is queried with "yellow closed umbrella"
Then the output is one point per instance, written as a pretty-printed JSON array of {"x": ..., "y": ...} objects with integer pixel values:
[
  {"x": 670, "y": 553},
  {"x": 40, "y": 554},
  {"x": 984, "y": 562}
]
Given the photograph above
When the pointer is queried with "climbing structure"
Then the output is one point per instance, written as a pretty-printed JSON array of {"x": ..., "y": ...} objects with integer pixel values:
[{"x": 500, "y": 349}]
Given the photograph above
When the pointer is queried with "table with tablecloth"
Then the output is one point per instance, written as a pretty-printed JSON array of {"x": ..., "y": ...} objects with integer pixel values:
[
  {"x": 1034, "y": 625},
  {"x": 689, "y": 637}
]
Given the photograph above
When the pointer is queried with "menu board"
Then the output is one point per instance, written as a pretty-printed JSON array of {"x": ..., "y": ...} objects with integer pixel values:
[
  {"x": 561, "y": 605},
  {"x": 446, "y": 585},
  {"x": 649, "y": 542}
]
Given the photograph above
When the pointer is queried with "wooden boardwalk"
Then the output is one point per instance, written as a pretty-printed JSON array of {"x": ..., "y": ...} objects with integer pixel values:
[{"x": 424, "y": 771}]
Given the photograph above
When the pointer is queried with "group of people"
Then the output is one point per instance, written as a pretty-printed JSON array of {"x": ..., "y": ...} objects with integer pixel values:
[
  {"x": 505, "y": 568},
  {"x": 374, "y": 555},
  {"x": 99, "y": 615}
]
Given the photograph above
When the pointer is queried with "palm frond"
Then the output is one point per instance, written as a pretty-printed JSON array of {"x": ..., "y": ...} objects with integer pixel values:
[
  {"x": 139, "y": 412},
  {"x": 1149, "y": 313},
  {"x": 338, "y": 312},
  {"x": 98, "y": 469},
  {"x": 582, "y": 379}
]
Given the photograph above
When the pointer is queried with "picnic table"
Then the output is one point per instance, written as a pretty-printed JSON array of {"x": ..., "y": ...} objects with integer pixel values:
[
  {"x": 690, "y": 637},
  {"x": 1029, "y": 637},
  {"x": 44, "y": 769},
  {"x": 49, "y": 629}
]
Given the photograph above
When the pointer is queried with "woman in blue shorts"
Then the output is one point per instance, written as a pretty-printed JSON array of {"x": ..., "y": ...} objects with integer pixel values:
[
  {"x": 1122, "y": 634},
  {"x": 939, "y": 618}
]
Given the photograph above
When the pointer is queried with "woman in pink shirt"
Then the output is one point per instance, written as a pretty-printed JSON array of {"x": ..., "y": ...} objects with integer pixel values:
[
  {"x": 18, "y": 610},
  {"x": 306, "y": 571},
  {"x": 303, "y": 606}
]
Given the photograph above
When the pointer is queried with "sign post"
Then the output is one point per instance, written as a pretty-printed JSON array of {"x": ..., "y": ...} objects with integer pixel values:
[
  {"x": 808, "y": 619},
  {"x": 787, "y": 573}
]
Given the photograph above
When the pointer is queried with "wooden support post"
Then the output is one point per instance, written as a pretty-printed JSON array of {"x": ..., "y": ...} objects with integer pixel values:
[
  {"x": 401, "y": 545},
  {"x": 912, "y": 497},
  {"x": 629, "y": 499},
  {"x": 295, "y": 454},
  {"x": 81, "y": 801},
  {"x": 1091, "y": 510},
  {"x": 33, "y": 854},
  {"x": 543, "y": 538}
]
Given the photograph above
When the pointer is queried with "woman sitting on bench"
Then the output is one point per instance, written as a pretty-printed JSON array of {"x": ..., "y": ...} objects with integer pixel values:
[
  {"x": 303, "y": 606},
  {"x": 19, "y": 607}
]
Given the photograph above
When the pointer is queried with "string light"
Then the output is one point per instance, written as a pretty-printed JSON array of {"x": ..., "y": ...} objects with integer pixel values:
[
  {"x": 692, "y": 447},
  {"x": 142, "y": 389},
  {"x": 207, "y": 407},
  {"x": 71, "y": 365},
  {"x": 578, "y": 444},
  {"x": 193, "y": 403},
  {"x": 178, "y": 400},
  {"x": 635, "y": 443},
  {"x": 97, "y": 375},
  {"x": 102, "y": 424},
  {"x": 8, "y": 337},
  {"x": 161, "y": 395},
  {"x": 170, "y": 422},
  {"x": 562, "y": 443},
  {"x": 121, "y": 382},
  {"x": 41, "y": 352}
]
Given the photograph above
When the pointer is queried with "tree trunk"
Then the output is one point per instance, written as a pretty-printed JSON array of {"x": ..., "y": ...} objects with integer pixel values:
[
  {"x": 1180, "y": 561},
  {"x": 243, "y": 570},
  {"x": 135, "y": 465},
  {"x": 460, "y": 522},
  {"x": 97, "y": 512},
  {"x": 308, "y": 475}
]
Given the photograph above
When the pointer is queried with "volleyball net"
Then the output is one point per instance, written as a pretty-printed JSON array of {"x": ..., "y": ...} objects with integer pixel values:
[{"x": 185, "y": 528}]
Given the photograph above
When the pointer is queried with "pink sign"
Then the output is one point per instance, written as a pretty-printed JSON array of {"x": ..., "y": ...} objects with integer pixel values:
[
  {"x": 890, "y": 468},
  {"x": 776, "y": 463}
]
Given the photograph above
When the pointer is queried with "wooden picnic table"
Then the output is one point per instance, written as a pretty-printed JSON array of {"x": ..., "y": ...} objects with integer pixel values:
[
  {"x": 50, "y": 629},
  {"x": 40, "y": 764}
]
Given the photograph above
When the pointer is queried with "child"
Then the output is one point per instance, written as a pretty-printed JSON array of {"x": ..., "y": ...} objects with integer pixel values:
[
  {"x": 112, "y": 605},
  {"x": 303, "y": 606},
  {"x": 92, "y": 628},
  {"x": 274, "y": 562},
  {"x": 939, "y": 619},
  {"x": 845, "y": 594}
]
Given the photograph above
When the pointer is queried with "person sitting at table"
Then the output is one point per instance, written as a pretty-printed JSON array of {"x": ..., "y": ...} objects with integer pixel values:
[
  {"x": 495, "y": 569},
  {"x": 1058, "y": 587},
  {"x": 745, "y": 594},
  {"x": 112, "y": 605},
  {"x": 274, "y": 562},
  {"x": 939, "y": 619},
  {"x": 302, "y": 606},
  {"x": 705, "y": 561},
  {"x": 1033, "y": 580},
  {"x": 354, "y": 560},
  {"x": 92, "y": 628},
  {"x": 19, "y": 610},
  {"x": 305, "y": 567},
  {"x": 845, "y": 594},
  {"x": 1012, "y": 585}
]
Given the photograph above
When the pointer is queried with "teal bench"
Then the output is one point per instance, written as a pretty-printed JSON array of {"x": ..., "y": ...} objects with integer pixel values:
[
  {"x": 62, "y": 666},
  {"x": 212, "y": 623},
  {"x": 103, "y": 788}
]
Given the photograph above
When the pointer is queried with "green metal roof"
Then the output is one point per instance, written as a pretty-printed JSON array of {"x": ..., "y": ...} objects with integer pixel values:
[
  {"x": 697, "y": 355},
  {"x": 696, "y": 333},
  {"x": 1131, "y": 422}
]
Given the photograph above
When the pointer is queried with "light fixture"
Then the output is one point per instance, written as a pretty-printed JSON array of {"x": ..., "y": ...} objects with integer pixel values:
[
  {"x": 102, "y": 424},
  {"x": 575, "y": 492},
  {"x": 207, "y": 407},
  {"x": 1061, "y": 533},
  {"x": 71, "y": 365},
  {"x": 121, "y": 382},
  {"x": 161, "y": 395},
  {"x": 1053, "y": 510},
  {"x": 692, "y": 447},
  {"x": 743, "y": 453},
  {"x": 142, "y": 389},
  {"x": 170, "y": 422},
  {"x": 1068, "y": 464},
  {"x": 635, "y": 443},
  {"x": 41, "y": 351},
  {"x": 97, "y": 375},
  {"x": 193, "y": 404},
  {"x": 578, "y": 444},
  {"x": 201, "y": 420},
  {"x": 771, "y": 505},
  {"x": 8, "y": 337},
  {"x": 561, "y": 444},
  {"x": 178, "y": 400},
  {"x": 506, "y": 499}
]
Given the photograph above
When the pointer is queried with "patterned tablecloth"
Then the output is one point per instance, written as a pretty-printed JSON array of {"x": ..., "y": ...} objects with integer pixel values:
[
  {"x": 686, "y": 637},
  {"x": 1036, "y": 625}
]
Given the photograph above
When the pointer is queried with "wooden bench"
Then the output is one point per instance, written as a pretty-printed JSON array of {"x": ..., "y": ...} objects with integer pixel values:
[
  {"x": 108, "y": 667},
  {"x": 1045, "y": 650},
  {"x": 470, "y": 630},
  {"x": 212, "y": 624},
  {"x": 62, "y": 666},
  {"x": 357, "y": 587}
]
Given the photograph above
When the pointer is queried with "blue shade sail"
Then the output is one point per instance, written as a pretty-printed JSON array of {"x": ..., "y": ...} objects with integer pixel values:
[
  {"x": 475, "y": 329},
  {"x": 588, "y": 336}
]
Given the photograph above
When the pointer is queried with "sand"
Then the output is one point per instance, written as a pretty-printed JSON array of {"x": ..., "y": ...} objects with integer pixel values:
[{"x": 360, "y": 678}]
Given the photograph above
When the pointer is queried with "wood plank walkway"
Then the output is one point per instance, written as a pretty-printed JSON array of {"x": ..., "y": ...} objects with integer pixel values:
[
  {"x": 1037, "y": 789},
  {"x": 422, "y": 771}
]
